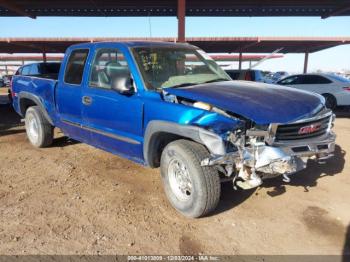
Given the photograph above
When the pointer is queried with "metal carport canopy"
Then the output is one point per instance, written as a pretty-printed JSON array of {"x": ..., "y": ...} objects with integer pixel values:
[
  {"x": 218, "y": 57},
  {"x": 209, "y": 44},
  {"x": 179, "y": 8},
  {"x": 35, "y": 8}
]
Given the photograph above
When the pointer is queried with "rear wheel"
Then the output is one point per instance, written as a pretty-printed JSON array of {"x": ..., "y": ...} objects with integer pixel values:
[
  {"x": 331, "y": 101},
  {"x": 192, "y": 189},
  {"x": 39, "y": 130}
]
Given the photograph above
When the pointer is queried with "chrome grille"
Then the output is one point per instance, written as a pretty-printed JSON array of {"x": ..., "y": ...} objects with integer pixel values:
[{"x": 293, "y": 131}]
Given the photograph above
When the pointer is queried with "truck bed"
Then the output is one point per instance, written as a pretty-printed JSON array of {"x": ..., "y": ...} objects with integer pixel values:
[{"x": 41, "y": 88}]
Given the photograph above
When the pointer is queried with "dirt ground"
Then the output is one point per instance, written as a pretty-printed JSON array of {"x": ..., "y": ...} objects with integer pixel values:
[{"x": 74, "y": 199}]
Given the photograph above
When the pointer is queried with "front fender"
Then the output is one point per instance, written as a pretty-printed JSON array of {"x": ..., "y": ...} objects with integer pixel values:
[{"x": 214, "y": 143}]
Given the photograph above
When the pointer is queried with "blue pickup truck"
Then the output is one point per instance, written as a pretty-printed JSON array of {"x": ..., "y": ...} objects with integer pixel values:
[{"x": 171, "y": 106}]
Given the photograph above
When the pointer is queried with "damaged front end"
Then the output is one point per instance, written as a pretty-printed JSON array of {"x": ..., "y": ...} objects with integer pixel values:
[
  {"x": 247, "y": 153},
  {"x": 258, "y": 153}
]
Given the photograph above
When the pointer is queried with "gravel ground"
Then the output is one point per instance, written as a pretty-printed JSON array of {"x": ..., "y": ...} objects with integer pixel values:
[{"x": 74, "y": 199}]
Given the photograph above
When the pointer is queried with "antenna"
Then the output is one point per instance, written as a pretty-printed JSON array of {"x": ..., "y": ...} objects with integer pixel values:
[{"x": 265, "y": 58}]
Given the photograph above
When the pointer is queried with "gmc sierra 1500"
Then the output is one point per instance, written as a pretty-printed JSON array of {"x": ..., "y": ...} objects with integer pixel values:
[{"x": 170, "y": 105}]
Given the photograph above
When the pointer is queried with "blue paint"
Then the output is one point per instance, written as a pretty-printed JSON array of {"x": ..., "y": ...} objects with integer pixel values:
[
  {"x": 127, "y": 117},
  {"x": 262, "y": 103}
]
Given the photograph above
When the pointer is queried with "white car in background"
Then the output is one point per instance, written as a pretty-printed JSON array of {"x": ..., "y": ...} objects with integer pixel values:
[
  {"x": 279, "y": 75},
  {"x": 334, "y": 88}
]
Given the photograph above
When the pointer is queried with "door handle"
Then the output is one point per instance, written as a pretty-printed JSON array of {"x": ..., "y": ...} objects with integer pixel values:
[{"x": 87, "y": 100}]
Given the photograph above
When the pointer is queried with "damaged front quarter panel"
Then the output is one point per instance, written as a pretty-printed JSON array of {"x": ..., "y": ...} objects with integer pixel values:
[
  {"x": 215, "y": 125},
  {"x": 214, "y": 119},
  {"x": 216, "y": 130}
]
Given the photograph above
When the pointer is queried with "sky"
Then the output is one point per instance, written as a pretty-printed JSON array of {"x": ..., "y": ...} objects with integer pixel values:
[{"x": 333, "y": 59}]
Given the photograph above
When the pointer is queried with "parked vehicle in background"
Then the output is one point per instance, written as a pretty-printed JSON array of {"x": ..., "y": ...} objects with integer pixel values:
[
  {"x": 48, "y": 70},
  {"x": 7, "y": 82},
  {"x": 2, "y": 83},
  {"x": 248, "y": 75},
  {"x": 279, "y": 75},
  {"x": 335, "y": 89},
  {"x": 171, "y": 106},
  {"x": 43, "y": 70},
  {"x": 7, "y": 79}
]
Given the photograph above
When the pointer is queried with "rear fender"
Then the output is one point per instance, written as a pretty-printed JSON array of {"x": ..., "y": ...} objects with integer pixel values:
[{"x": 23, "y": 97}]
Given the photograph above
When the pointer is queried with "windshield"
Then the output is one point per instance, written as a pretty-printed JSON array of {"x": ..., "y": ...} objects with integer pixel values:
[{"x": 164, "y": 67}]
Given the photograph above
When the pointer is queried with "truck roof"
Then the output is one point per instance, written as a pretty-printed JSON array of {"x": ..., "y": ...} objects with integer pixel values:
[{"x": 137, "y": 44}]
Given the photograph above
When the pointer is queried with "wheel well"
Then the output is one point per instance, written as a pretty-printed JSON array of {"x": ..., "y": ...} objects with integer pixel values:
[
  {"x": 25, "y": 103},
  {"x": 157, "y": 144},
  {"x": 328, "y": 94}
]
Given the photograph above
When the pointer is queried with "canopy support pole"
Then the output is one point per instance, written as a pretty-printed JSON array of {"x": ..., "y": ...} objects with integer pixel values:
[
  {"x": 240, "y": 61},
  {"x": 306, "y": 61},
  {"x": 181, "y": 16}
]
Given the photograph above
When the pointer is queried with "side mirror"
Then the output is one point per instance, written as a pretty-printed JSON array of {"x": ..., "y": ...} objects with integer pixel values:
[{"x": 123, "y": 84}]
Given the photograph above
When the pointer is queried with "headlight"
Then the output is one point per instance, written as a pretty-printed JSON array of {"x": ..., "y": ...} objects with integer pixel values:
[{"x": 202, "y": 105}]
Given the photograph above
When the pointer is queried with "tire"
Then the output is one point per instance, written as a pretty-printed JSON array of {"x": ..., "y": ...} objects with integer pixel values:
[
  {"x": 200, "y": 190},
  {"x": 331, "y": 101},
  {"x": 39, "y": 130},
  {"x": 10, "y": 97}
]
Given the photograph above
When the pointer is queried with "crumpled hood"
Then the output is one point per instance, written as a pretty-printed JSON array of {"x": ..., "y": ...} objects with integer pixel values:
[{"x": 262, "y": 103}]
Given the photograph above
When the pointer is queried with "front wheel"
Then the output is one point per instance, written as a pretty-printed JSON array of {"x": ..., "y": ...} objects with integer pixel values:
[
  {"x": 39, "y": 130},
  {"x": 192, "y": 189}
]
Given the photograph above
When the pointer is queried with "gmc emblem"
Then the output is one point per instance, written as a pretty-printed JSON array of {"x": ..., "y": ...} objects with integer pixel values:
[{"x": 309, "y": 129}]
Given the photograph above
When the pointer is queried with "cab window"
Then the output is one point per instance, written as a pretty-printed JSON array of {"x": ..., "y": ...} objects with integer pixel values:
[
  {"x": 108, "y": 64},
  {"x": 291, "y": 80},
  {"x": 313, "y": 80},
  {"x": 75, "y": 66}
]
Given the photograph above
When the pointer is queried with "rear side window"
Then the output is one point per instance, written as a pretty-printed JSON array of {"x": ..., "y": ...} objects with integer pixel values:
[
  {"x": 75, "y": 66},
  {"x": 314, "y": 79}
]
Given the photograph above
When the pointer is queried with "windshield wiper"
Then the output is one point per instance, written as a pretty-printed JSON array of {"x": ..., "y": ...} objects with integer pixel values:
[
  {"x": 216, "y": 80},
  {"x": 192, "y": 84},
  {"x": 183, "y": 85}
]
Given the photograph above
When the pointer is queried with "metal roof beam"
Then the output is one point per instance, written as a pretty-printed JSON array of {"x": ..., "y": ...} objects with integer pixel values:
[
  {"x": 338, "y": 11},
  {"x": 15, "y": 8},
  {"x": 34, "y": 46}
]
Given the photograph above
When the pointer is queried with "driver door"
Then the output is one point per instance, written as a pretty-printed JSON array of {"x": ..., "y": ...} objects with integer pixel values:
[{"x": 114, "y": 119}]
